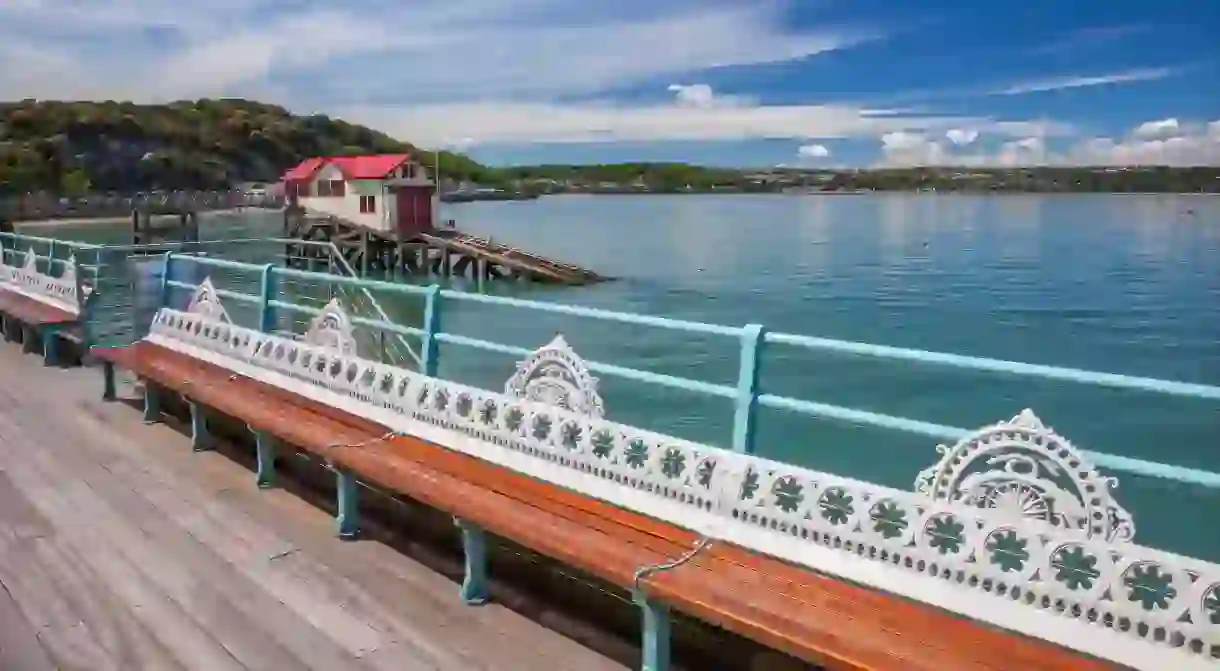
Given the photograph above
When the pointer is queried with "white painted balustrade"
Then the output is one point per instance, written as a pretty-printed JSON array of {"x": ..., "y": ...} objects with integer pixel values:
[
  {"x": 1010, "y": 525},
  {"x": 64, "y": 292}
]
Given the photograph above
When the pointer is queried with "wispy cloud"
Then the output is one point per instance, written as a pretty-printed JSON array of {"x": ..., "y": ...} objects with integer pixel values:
[
  {"x": 426, "y": 50},
  {"x": 1088, "y": 37},
  {"x": 1064, "y": 82}
]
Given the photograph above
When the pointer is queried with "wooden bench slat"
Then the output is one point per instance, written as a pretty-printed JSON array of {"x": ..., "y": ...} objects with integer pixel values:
[
  {"x": 814, "y": 617},
  {"x": 31, "y": 311}
]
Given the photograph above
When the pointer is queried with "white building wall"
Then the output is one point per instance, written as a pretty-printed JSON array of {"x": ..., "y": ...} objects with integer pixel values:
[{"x": 346, "y": 207}]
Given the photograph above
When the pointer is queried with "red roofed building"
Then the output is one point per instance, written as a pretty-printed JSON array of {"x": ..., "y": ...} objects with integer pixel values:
[{"x": 385, "y": 192}]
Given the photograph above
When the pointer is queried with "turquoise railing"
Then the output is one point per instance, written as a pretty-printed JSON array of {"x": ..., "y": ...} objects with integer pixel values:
[
  {"x": 746, "y": 396},
  {"x": 106, "y": 269}
]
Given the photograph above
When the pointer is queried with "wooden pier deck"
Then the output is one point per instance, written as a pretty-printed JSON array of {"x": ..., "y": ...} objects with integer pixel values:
[{"x": 122, "y": 549}]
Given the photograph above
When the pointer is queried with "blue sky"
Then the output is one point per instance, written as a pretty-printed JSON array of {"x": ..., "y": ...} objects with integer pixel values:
[{"x": 743, "y": 82}]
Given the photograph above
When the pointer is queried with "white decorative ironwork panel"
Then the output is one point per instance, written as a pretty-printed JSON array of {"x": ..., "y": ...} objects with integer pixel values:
[
  {"x": 332, "y": 328},
  {"x": 1012, "y": 526},
  {"x": 555, "y": 375},
  {"x": 64, "y": 292}
]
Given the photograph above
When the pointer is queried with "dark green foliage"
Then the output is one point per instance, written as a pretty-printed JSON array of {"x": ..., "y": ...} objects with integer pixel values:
[{"x": 64, "y": 147}]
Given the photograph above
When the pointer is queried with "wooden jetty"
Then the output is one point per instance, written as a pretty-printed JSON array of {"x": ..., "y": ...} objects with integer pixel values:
[
  {"x": 382, "y": 213},
  {"x": 37, "y": 207},
  {"x": 446, "y": 252},
  {"x": 121, "y": 549}
]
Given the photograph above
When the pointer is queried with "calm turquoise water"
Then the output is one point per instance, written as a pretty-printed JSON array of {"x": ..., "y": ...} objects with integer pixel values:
[{"x": 1127, "y": 284}]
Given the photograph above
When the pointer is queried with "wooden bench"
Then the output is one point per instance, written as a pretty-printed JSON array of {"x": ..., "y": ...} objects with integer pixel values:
[
  {"x": 39, "y": 308},
  {"x": 813, "y": 617}
]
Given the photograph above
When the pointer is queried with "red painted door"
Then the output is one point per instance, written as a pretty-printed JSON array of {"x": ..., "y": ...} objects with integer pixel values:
[{"x": 414, "y": 210}]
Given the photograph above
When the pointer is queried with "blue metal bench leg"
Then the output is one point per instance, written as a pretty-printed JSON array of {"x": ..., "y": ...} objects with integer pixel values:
[
  {"x": 264, "y": 444},
  {"x": 109, "y": 390},
  {"x": 474, "y": 542},
  {"x": 655, "y": 630},
  {"x": 50, "y": 347},
  {"x": 152, "y": 403},
  {"x": 27, "y": 339},
  {"x": 201, "y": 438},
  {"x": 348, "y": 519}
]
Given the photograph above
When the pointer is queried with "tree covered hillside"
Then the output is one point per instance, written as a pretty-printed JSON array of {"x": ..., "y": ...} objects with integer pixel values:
[{"x": 74, "y": 147}]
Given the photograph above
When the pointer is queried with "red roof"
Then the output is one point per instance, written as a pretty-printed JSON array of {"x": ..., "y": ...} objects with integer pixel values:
[
  {"x": 373, "y": 166},
  {"x": 368, "y": 167},
  {"x": 305, "y": 170}
]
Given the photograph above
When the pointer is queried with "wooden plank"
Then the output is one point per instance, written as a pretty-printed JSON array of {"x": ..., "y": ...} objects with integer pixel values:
[
  {"x": 343, "y": 572},
  {"x": 191, "y": 646},
  {"x": 20, "y": 649},
  {"x": 231, "y": 609},
  {"x": 417, "y": 627}
]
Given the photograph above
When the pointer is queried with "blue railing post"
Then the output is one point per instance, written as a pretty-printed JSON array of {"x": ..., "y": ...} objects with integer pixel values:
[
  {"x": 165, "y": 278},
  {"x": 745, "y": 405},
  {"x": 432, "y": 326},
  {"x": 266, "y": 317}
]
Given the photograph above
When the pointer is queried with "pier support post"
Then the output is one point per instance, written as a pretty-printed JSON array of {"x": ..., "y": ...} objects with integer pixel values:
[
  {"x": 474, "y": 543},
  {"x": 655, "y": 633},
  {"x": 109, "y": 390},
  {"x": 152, "y": 403},
  {"x": 264, "y": 444},
  {"x": 50, "y": 349},
  {"x": 201, "y": 438},
  {"x": 347, "y": 521}
]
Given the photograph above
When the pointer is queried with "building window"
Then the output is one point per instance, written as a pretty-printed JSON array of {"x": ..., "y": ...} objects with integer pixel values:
[
  {"x": 368, "y": 204},
  {"x": 337, "y": 188}
]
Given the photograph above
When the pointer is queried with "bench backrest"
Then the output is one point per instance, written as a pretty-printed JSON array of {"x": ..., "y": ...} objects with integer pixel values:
[
  {"x": 65, "y": 292},
  {"x": 1011, "y": 525}
]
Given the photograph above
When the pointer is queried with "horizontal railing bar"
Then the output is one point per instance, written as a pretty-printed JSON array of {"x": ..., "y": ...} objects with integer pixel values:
[
  {"x": 595, "y": 313},
  {"x": 1000, "y": 366},
  {"x": 350, "y": 281},
  {"x": 953, "y": 433},
  {"x": 686, "y": 384},
  {"x": 56, "y": 241},
  {"x": 359, "y": 321}
]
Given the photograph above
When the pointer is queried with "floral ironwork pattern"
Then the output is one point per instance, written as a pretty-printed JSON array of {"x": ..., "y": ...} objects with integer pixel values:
[
  {"x": 332, "y": 328},
  {"x": 1022, "y": 468},
  {"x": 555, "y": 375},
  {"x": 1004, "y": 547}
]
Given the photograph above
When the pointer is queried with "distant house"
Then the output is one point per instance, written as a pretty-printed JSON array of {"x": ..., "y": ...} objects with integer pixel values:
[{"x": 385, "y": 192}]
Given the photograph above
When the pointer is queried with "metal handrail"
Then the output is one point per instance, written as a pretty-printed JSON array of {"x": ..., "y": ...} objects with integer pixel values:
[{"x": 746, "y": 395}]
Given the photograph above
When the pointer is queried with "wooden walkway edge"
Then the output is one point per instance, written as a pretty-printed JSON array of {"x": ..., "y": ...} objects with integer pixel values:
[{"x": 122, "y": 549}]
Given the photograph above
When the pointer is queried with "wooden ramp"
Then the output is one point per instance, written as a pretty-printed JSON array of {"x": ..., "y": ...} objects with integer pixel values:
[
  {"x": 511, "y": 258},
  {"x": 121, "y": 549}
]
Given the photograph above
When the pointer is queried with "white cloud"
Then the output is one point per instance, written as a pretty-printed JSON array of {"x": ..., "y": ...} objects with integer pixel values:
[
  {"x": 1181, "y": 144},
  {"x": 702, "y": 95},
  {"x": 523, "y": 122},
  {"x": 1082, "y": 81},
  {"x": 1157, "y": 129},
  {"x": 813, "y": 151},
  {"x": 962, "y": 136},
  {"x": 426, "y": 50}
]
